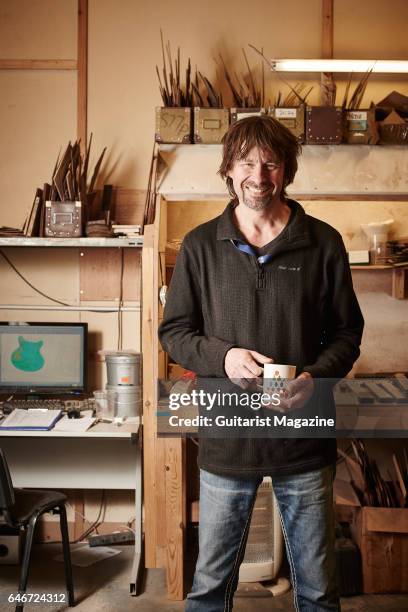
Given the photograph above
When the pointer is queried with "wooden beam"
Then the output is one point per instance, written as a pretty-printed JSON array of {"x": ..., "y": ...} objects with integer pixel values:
[
  {"x": 82, "y": 87},
  {"x": 351, "y": 197},
  {"x": 398, "y": 283},
  {"x": 38, "y": 64},
  {"x": 152, "y": 451},
  {"x": 326, "y": 79},
  {"x": 327, "y": 29},
  {"x": 175, "y": 475}
]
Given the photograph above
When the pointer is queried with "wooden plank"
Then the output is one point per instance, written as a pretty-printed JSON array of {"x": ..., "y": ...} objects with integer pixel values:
[
  {"x": 387, "y": 520},
  {"x": 82, "y": 87},
  {"x": 327, "y": 29},
  {"x": 175, "y": 516},
  {"x": 326, "y": 78},
  {"x": 348, "y": 172},
  {"x": 100, "y": 274},
  {"x": 38, "y": 64},
  {"x": 353, "y": 197},
  {"x": 149, "y": 350},
  {"x": 160, "y": 501},
  {"x": 398, "y": 283}
]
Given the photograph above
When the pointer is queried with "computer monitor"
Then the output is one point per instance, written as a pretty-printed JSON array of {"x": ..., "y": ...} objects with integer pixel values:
[{"x": 43, "y": 358}]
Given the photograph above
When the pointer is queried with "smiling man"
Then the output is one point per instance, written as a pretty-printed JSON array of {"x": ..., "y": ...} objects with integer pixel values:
[{"x": 264, "y": 283}]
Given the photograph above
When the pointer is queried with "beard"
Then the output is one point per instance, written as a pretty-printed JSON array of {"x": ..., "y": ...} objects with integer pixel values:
[{"x": 261, "y": 200}]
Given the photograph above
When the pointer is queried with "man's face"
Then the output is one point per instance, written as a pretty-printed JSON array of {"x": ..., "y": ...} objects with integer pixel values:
[{"x": 258, "y": 179}]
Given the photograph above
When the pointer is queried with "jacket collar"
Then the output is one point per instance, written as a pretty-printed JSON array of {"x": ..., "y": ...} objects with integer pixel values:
[{"x": 295, "y": 235}]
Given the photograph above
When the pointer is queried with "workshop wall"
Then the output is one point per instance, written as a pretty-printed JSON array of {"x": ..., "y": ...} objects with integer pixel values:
[
  {"x": 38, "y": 116},
  {"x": 38, "y": 109}
]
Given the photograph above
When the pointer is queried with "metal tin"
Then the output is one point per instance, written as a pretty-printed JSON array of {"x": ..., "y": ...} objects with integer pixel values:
[
  {"x": 359, "y": 126},
  {"x": 173, "y": 125},
  {"x": 63, "y": 219},
  {"x": 292, "y": 117},
  {"x": 210, "y": 124},
  {"x": 242, "y": 113},
  {"x": 123, "y": 369},
  {"x": 323, "y": 125},
  {"x": 124, "y": 401}
]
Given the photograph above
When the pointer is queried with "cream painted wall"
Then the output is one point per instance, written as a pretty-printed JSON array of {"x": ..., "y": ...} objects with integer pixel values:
[{"x": 38, "y": 110}]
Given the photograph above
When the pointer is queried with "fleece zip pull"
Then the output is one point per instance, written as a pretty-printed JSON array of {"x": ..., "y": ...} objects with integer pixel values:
[{"x": 261, "y": 260}]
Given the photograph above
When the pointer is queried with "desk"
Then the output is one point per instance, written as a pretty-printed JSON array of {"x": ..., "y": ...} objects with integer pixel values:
[{"x": 104, "y": 457}]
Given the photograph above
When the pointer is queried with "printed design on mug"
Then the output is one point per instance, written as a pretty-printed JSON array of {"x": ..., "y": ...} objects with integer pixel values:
[
  {"x": 275, "y": 383},
  {"x": 27, "y": 356}
]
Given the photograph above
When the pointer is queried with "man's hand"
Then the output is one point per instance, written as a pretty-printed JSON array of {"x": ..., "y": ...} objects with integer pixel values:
[
  {"x": 297, "y": 393},
  {"x": 242, "y": 366}
]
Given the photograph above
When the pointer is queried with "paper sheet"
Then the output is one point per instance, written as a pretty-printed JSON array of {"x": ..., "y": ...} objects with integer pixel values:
[{"x": 81, "y": 424}]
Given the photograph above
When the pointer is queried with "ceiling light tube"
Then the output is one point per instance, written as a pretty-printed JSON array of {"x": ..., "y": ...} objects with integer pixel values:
[{"x": 337, "y": 65}]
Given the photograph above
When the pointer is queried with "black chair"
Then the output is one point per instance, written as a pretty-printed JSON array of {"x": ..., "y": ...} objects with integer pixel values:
[{"x": 21, "y": 508}]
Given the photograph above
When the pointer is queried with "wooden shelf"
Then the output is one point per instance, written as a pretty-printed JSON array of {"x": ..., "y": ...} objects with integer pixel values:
[
  {"x": 398, "y": 272},
  {"x": 190, "y": 172},
  {"x": 22, "y": 241},
  {"x": 398, "y": 277}
]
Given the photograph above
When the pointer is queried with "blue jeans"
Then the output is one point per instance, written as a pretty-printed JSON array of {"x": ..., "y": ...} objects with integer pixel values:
[{"x": 305, "y": 504}]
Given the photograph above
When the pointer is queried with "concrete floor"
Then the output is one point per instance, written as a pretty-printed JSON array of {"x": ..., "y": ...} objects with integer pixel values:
[{"x": 104, "y": 586}]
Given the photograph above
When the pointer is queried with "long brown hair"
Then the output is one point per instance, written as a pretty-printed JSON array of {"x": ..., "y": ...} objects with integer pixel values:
[{"x": 265, "y": 133}]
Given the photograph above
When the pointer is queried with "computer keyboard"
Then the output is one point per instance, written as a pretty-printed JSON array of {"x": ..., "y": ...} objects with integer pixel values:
[
  {"x": 32, "y": 404},
  {"x": 69, "y": 406}
]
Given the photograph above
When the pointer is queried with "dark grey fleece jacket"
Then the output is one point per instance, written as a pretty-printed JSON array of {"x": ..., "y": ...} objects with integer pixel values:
[{"x": 299, "y": 308}]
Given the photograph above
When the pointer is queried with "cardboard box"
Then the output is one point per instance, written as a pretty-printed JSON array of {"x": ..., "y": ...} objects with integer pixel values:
[
  {"x": 382, "y": 537},
  {"x": 210, "y": 124},
  {"x": 173, "y": 125},
  {"x": 291, "y": 117}
]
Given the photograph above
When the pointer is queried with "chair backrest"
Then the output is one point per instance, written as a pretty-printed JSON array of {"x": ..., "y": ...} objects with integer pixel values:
[{"x": 7, "y": 498}]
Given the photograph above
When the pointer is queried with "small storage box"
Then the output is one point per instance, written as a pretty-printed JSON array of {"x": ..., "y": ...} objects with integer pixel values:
[
  {"x": 173, "y": 125},
  {"x": 382, "y": 537},
  {"x": 210, "y": 124},
  {"x": 291, "y": 117},
  {"x": 323, "y": 125},
  {"x": 360, "y": 127}
]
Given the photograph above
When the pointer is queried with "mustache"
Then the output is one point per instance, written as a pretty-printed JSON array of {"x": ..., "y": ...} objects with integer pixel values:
[{"x": 263, "y": 185}]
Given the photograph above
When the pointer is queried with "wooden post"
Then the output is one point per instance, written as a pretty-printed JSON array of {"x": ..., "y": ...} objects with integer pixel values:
[
  {"x": 82, "y": 87},
  {"x": 175, "y": 474},
  {"x": 398, "y": 283},
  {"x": 149, "y": 352},
  {"x": 326, "y": 79},
  {"x": 327, "y": 29}
]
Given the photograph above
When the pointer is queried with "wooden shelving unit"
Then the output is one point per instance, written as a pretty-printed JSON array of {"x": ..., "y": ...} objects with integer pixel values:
[
  {"x": 72, "y": 242},
  {"x": 399, "y": 277},
  {"x": 188, "y": 173}
]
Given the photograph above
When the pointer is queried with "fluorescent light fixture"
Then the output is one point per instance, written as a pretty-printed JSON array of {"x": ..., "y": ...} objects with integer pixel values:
[{"x": 337, "y": 65}]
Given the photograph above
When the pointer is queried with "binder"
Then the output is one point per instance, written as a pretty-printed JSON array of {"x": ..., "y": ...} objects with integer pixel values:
[{"x": 31, "y": 420}]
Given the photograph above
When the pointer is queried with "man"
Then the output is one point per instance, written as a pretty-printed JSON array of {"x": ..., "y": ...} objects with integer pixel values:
[{"x": 263, "y": 283}]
